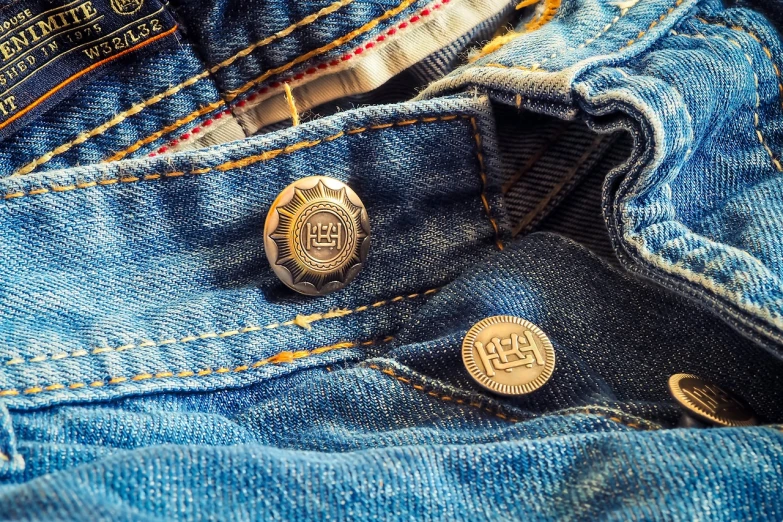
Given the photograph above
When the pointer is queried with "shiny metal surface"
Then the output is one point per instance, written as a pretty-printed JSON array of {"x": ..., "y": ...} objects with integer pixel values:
[
  {"x": 508, "y": 355},
  {"x": 317, "y": 235},
  {"x": 709, "y": 402}
]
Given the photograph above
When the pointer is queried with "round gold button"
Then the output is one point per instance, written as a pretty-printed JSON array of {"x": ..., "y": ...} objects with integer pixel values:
[
  {"x": 317, "y": 235},
  {"x": 709, "y": 402},
  {"x": 508, "y": 355}
]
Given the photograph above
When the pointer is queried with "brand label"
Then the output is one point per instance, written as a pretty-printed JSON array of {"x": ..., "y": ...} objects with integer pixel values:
[{"x": 48, "y": 49}]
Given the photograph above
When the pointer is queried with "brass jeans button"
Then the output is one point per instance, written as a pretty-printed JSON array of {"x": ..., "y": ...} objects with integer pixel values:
[
  {"x": 317, "y": 235},
  {"x": 709, "y": 403},
  {"x": 508, "y": 355}
]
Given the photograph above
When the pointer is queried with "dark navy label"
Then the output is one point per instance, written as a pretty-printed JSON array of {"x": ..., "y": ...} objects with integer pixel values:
[{"x": 49, "y": 47}]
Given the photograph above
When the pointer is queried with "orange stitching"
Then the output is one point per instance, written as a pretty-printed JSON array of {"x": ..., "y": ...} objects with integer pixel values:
[
  {"x": 623, "y": 11},
  {"x": 122, "y": 116},
  {"x": 81, "y": 73},
  {"x": 483, "y": 174},
  {"x": 435, "y": 394},
  {"x": 546, "y": 16},
  {"x": 756, "y": 118},
  {"x": 174, "y": 126},
  {"x": 328, "y": 47},
  {"x": 653, "y": 24},
  {"x": 230, "y": 164},
  {"x": 279, "y": 358},
  {"x": 303, "y": 321},
  {"x": 271, "y": 154},
  {"x": 497, "y": 412},
  {"x": 315, "y": 69}
]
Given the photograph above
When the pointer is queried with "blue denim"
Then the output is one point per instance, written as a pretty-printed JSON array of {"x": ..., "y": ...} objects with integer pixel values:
[{"x": 152, "y": 367}]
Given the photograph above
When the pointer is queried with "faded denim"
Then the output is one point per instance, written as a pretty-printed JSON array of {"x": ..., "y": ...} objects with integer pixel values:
[{"x": 153, "y": 367}]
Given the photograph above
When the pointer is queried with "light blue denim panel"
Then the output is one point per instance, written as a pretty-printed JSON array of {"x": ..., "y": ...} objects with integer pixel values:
[
  {"x": 426, "y": 482},
  {"x": 125, "y": 272},
  {"x": 106, "y": 111},
  {"x": 412, "y": 419},
  {"x": 294, "y": 36},
  {"x": 698, "y": 204}
]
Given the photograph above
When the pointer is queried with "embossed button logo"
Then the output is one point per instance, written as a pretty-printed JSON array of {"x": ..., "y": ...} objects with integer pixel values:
[
  {"x": 126, "y": 7},
  {"x": 709, "y": 402},
  {"x": 317, "y": 235},
  {"x": 508, "y": 355}
]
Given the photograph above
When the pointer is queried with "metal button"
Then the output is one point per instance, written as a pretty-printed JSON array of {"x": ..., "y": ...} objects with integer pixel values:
[
  {"x": 508, "y": 355},
  {"x": 709, "y": 403},
  {"x": 317, "y": 235}
]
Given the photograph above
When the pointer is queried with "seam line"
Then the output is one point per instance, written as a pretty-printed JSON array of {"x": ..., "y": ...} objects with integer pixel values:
[
  {"x": 320, "y": 68},
  {"x": 302, "y": 321},
  {"x": 135, "y": 109},
  {"x": 271, "y": 154},
  {"x": 279, "y": 358},
  {"x": 89, "y": 69},
  {"x": 537, "y": 66},
  {"x": 756, "y": 118},
  {"x": 229, "y": 165},
  {"x": 231, "y": 95},
  {"x": 547, "y": 14},
  {"x": 170, "y": 128},
  {"x": 483, "y": 175},
  {"x": 497, "y": 412}
]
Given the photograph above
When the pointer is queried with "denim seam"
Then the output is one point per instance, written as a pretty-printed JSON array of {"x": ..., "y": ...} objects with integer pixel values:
[
  {"x": 314, "y": 69},
  {"x": 547, "y": 14},
  {"x": 122, "y": 116},
  {"x": 284, "y": 357},
  {"x": 249, "y": 160},
  {"x": 165, "y": 130},
  {"x": 85, "y": 71},
  {"x": 680, "y": 268},
  {"x": 369, "y": 26},
  {"x": 483, "y": 175},
  {"x": 498, "y": 412},
  {"x": 604, "y": 30},
  {"x": 271, "y": 154},
  {"x": 756, "y": 118},
  {"x": 303, "y": 321}
]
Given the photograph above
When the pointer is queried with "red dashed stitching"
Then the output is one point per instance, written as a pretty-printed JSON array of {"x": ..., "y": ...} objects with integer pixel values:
[
  {"x": 312, "y": 70},
  {"x": 176, "y": 141}
]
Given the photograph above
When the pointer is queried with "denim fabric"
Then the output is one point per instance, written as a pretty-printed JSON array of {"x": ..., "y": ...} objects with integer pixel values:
[
  {"x": 97, "y": 104},
  {"x": 697, "y": 207},
  {"x": 153, "y": 368},
  {"x": 383, "y": 439}
]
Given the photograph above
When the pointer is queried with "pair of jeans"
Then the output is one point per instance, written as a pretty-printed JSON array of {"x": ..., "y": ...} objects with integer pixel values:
[{"x": 611, "y": 176}]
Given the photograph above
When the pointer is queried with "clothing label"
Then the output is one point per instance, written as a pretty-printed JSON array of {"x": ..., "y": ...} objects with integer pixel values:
[{"x": 49, "y": 47}]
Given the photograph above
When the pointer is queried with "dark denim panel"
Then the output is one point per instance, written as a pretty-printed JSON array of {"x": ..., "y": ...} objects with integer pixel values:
[
  {"x": 617, "y": 339},
  {"x": 772, "y": 9}
]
